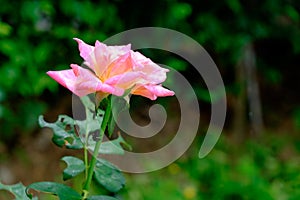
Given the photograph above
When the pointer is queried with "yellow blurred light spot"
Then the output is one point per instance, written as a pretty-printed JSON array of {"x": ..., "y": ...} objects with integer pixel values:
[
  {"x": 5, "y": 29},
  {"x": 174, "y": 169},
  {"x": 189, "y": 192}
]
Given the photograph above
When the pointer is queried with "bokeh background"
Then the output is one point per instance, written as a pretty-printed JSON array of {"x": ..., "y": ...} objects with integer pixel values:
[{"x": 256, "y": 46}]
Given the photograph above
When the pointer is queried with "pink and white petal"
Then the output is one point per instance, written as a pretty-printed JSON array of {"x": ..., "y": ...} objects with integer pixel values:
[
  {"x": 66, "y": 78},
  {"x": 85, "y": 52},
  {"x": 126, "y": 80},
  {"x": 102, "y": 58},
  {"x": 155, "y": 73},
  {"x": 106, "y": 88},
  {"x": 156, "y": 77},
  {"x": 145, "y": 63},
  {"x": 88, "y": 87},
  {"x": 86, "y": 82},
  {"x": 120, "y": 65},
  {"x": 151, "y": 91},
  {"x": 78, "y": 80},
  {"x": 115, "y": 51},
  {"x": 105, "y": 55}
]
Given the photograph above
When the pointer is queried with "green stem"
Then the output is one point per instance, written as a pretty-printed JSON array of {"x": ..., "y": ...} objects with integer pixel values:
[
  {"x": 85, "y": 148},
  {"x": 93, "y": 161},
  {"x": 86, "y": 161}
]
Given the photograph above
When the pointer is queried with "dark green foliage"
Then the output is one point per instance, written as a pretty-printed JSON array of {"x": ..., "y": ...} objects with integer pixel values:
[
  {"x": 18, "y": 190},
  {"x": 101, "y": 197},
  {"x": 73, "y": 133},
  {"x": 75, "y": 166},
  {"x": 109, "y": 176},
  {"x": 63, "y": 132},
  {"x": 62, "y": 191},
  {"x": 78, "y": 134},
  {"x": 261, "y": 170},
  {"x": 113, "y": 146},
  {"x": 36, "y": 36}
]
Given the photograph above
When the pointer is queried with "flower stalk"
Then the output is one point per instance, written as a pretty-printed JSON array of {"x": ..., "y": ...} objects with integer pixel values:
[{"x": 93, "y": 161}]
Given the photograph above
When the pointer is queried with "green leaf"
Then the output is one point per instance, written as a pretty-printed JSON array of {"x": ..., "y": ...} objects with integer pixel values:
[
  {"x": 18, "y": 190},
  {"x": 111, "y": 146},
  {"x": 74, "y": 167},
  {"x": 63, "y": 132},
  {"x": 91, "y": 123},
  {"x": 62, "y": 191},
  {"x": 89, "y": 128},
  {"x": 107, "y": 175},
  {"x": 114, "y": 146},
  {"x": 119, "y": 104},
  {"x": 101, "y": 197}
]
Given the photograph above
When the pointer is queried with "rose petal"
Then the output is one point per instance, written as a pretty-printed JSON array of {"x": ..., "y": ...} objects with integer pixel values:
[
  {"x": 82, "y": 81},
  {"x": 120, "y": 65},
  {"x": 86, "y": 52},
  {"x": 65, "y": 77},
  {"x": 126, "y": 80},
  {"x": 155, "y": 73},
  {"x": 115, "y": 50},
  {"x": 151, "y": 91},
  {"x": 87, "y": 83},
  {"x": 105, "y": 55},
  {"x": 79, "y": 80}
]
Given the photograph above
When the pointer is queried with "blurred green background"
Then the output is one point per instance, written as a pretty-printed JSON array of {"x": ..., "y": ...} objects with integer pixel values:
[{"x": 255, "y": 44}]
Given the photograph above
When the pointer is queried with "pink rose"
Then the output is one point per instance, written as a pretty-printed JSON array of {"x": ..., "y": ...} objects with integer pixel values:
[{"x": 112, "y": 70}]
